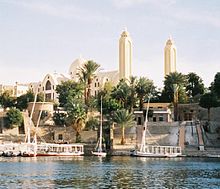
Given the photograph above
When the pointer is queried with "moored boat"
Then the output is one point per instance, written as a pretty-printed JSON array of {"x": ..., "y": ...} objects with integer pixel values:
[
  {"x": 50, "y": 149},
  {"x": 154, "y": 151},
  {"x": 98, "y": 150}
]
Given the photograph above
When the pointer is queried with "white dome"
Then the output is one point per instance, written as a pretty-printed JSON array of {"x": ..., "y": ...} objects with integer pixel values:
[{"x": 75, "y": 66}]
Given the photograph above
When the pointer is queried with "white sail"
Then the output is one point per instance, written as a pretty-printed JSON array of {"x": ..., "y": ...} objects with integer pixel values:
[{"x": 99, "y": 151}]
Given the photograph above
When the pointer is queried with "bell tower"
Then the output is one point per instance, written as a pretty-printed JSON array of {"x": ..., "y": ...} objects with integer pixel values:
[
  {"x": 169, "y": 57},
  {"x": 125, "y": 55}
]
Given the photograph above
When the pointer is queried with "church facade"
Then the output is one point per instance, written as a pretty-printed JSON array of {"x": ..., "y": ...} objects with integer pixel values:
[{"x": 51, "y": 80}]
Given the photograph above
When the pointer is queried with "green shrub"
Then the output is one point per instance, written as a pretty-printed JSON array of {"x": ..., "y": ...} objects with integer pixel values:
[{"x": 14, "y": 118}]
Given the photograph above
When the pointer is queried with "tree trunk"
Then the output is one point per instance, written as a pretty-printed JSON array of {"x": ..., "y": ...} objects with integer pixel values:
[
  {"x": 141, "y": 104},
  {"x": 89, "y": 90},
  {"x": 209, "y": 129},
  {"x": 123, "y": 135},
  {"x": 208, "y": 114},
  {"x": 78, "y": 137}
]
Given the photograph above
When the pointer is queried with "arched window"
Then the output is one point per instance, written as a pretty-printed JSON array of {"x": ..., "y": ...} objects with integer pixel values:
[{"x": 48, "y": 85}]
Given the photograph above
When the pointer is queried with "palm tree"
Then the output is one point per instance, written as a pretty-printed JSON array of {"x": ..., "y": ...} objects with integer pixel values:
[
  {"x": 76, "y": 113},
  {"x": 171, "y": 80},
  {"x": 132, "y": 99},
  {"x": 194, "y": 85},
  {"x": 208, "y": 101},
  {"x": 121, "y": 93},
  {"x": 87, "y": 74},
  {"x": 123, "y": 119},
  {"x": 144, "y": 88}
]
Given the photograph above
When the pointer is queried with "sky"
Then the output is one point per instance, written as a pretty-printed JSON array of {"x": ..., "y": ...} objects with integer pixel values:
[{"x": 38, "y": 37}]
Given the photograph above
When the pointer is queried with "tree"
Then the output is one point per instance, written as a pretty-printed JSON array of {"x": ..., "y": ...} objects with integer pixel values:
[
  {"x": 123, "y": 119},
  {"x": 7, "y": 100},
  {"x": 143, "y": 88},
  {"x": 71, "y": 98},
  {"x": 76, "y": 114},
  {"x": 109, "y": 104},
  {"x": 215, "y": 86},
  {"x": 59, "y": 118},
  {"x": 133, "y": 96},
  {"x": 66, "y": 89},
  {"x": 14, "y": 118},
  {"x": 194, "y": 85},
  {"x": 86, "y": 75},
  {"x": 208, "y": 101},
  {"x": 23, "y": 100},
  {"x": 171, "y": 80},
  {"x": 92, "y": 124},
  {"x": 122, "y": 93}
]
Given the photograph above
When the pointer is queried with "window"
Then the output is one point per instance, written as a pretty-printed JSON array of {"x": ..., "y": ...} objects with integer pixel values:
[
  {"x": 160, "y": 118},
  {"x": 139, "y": 121},
  {"x": 48, "y": 85},
  {"x": 60, "y": 137},
  {"x": 95, "y": 84},
  {"x": 154, "y": 119}
]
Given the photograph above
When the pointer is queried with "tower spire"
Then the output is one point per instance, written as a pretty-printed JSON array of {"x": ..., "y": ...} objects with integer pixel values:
[
  {"x": 125, "y": 55},
  {"x": 169, "y": 57}
]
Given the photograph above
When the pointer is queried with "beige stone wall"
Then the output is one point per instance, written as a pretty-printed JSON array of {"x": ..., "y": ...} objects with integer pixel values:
[
  {"x": 51, "y": 134},
  {"x": 46, "y": 106}
]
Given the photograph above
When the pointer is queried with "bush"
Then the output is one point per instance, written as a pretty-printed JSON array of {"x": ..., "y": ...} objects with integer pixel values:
[
  {"x": 92, "y": 124},
  {"x": 14, "y": 118},
  {"x": 59, "y": 119}
]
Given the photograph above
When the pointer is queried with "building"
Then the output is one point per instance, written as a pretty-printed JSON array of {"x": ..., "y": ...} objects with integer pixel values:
[
  {"x": 161, "y": 112},
  {"x": 15, "y": 90},
  {"x": 169, "y": 57},
  {"x": 125, "y": 56}
]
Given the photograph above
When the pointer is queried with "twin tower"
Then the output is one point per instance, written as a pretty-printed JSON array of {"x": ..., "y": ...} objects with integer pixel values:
[{"x": 125, "y": 56}]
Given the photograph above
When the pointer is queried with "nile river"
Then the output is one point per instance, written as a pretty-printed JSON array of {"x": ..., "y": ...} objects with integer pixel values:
[{"x": 109, "y": 172}]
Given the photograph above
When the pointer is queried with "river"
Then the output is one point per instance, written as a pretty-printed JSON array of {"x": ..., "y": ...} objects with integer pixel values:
[{"x": 109, "y": 172}]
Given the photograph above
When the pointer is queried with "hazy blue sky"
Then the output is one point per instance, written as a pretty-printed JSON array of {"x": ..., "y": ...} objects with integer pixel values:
[{"x": 43, "y": 36}]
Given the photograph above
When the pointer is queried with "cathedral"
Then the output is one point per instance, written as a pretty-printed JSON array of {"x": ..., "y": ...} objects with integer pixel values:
[{"x": 51, "y": 80}]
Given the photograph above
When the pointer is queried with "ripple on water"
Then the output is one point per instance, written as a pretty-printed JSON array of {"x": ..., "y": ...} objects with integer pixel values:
[{"x": 115, "y": 172}]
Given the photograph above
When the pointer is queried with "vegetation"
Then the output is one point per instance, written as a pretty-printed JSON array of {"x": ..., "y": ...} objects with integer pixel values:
[
  {"x": 123, "y": 119},
  {"x": 194, "y": 86},
  {"x": 170, "y": 81},
  {"x": 67, "y": 89},
  {"x": 7, "y": 100},
  {"x": 215, "y": 85},
  {"x": 14, "y": 118},
  {"x": 144, "y": 89},
  {"x": 86, "y": 75},
  {"x": 208, "y": 101},
  {"x": 23, "y": 100},
  {"x": 92, "y": 124}
]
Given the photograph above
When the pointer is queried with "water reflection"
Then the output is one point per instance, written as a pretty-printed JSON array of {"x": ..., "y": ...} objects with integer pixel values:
[{"x": 109, "y": 172}]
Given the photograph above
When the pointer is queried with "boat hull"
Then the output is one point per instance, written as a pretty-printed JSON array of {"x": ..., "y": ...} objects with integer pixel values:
[
  {"x": 60, "y": 154},
  {"x": 146, "y": 154},
  {"x": 101, "y": 154}
]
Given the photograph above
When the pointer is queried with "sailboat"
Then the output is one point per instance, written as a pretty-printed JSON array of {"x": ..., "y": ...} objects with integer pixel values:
[
  {"x": 98, "y": 150},
  {"x": 157, "y": 150},
  {"x": 30, "y": 147}
]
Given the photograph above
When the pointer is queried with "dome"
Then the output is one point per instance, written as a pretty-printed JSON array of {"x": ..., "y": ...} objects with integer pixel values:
[
  {"x": 125, "y": 34},
  {"x": 75, "y": 66}
]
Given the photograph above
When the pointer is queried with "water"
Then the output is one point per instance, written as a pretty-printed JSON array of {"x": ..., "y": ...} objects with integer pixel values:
[{"x": 114, "y": 172}]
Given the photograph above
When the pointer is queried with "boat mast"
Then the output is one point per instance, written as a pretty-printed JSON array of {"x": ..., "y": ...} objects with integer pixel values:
[
  {"x": 143, "y": 142},
  {"x": 28, "y": 137},
  {"x": 100, "y": 132}
]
